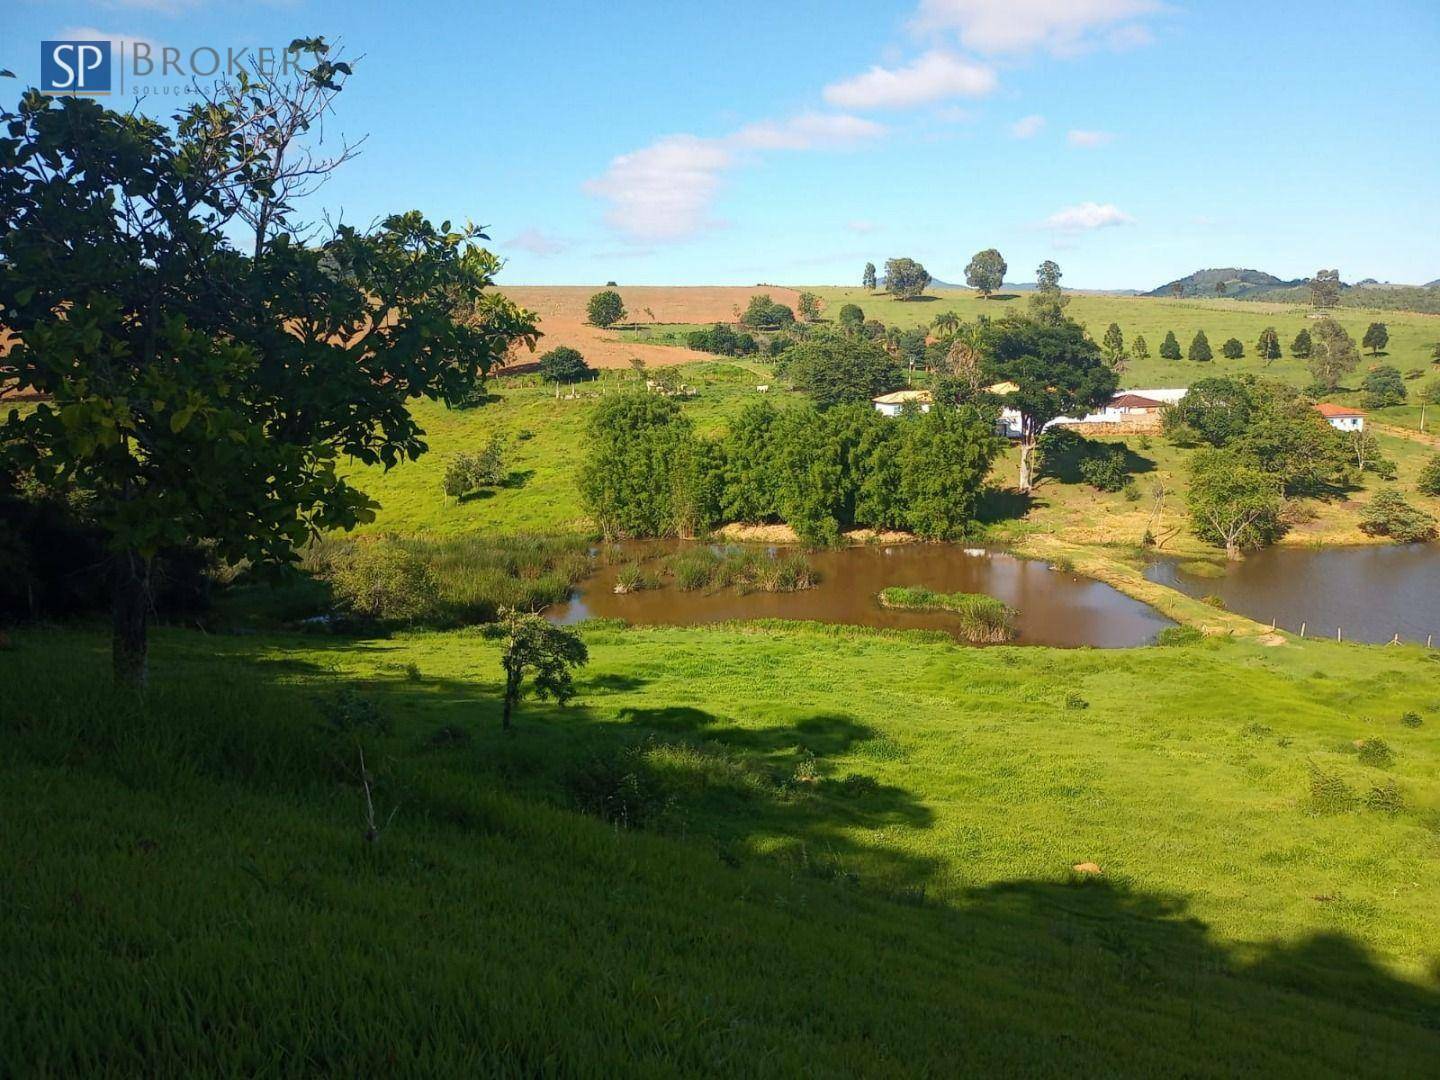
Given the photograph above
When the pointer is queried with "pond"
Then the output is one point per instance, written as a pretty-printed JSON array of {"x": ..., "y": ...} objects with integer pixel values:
[
  {"x": 1369, "y": 593},
  {"x": 1055, "y": 607}
]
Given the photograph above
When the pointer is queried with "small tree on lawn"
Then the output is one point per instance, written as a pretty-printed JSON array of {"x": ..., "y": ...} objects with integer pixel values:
[
  {"x": 201, "y": 393},
  {"x": 809, "y": 306},
  {"x": 1333, "y": 355},
  {"x": 986, "y": 272},
  {"x": 1200, "y": 347},
  {"x": 1140, "y": 348},
  {"x": 1268, "y": 346},
  {"x": 1170, "y": 348},
  {"x": 1048, "y": 275},
  {"x": 1113, "y": 345},
  {"x": 1057, "y": 369},
  {"x": 1383, "y": 387},
  {"x": 867, "y": 279},
  {"x": 1302, "y": 346},
  {"x": 605, "y": 308},
  {"x": 1377, "y": 336},
  {"x": 1232, "y": 349},
  {"x": 532, "y": 644},
  {"x": 905, "y": 279},
  {"x": 1232, "y": 502},
  {"x": 564, "y": 365},
  {"x": 1429, "y": 481}
]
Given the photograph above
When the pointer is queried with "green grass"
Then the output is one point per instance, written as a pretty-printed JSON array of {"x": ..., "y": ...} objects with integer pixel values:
[
  {"x": 980, "y": 618},
  {"x": 1412, "y": 335},
  {"x": 807, "y": 850}
]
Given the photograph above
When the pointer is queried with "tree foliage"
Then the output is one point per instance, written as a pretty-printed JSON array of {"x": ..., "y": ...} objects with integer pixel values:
[
  {"x": 1200, "y": 347},
  {"x": 1325, "y": 288},
  {"x": 851, "y": 318},
  {"x": 605, "y": 308},
  {"x": 564, "y": 364},
  {"x": 834, "y": 368},
  {"x": 1383, "y": 386},
  {"x": 199, "y": 393},
  {"x": 986, "y": 271},
  {"x": 638, "y": 476},
  {"x": 1232, "y": 502},
  {"x": 905, "y": 279},
  {"x": 1333, "y": 354},
  {"x": 764, "y": 313},
  {"x": 1388, "y": 514},
  {"x": 1170, "y": 348},
  {"x": 867, "y": 279},
  {"x": 809, "y": 305},
  {"x": 1302, "y": 346},
  {"x": 1047, "y": 275},
  {"x": 1232, "y": 349},
  {"x": 1140, "y": 348},
  {"x": 531, "y": 644},
  {"x": 1428, "y": 482},
  {"x": 1267, "y": 347},
  {"x": 1377, "y": 336},
  {"x": 1113, "y": 345}
]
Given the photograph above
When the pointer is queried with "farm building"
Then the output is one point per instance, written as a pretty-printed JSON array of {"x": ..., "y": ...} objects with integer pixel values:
[
  {"x": 1128, "y": 410},
  {"x": 893, "y": 404},
  {"x": 1342, "y": 417}
]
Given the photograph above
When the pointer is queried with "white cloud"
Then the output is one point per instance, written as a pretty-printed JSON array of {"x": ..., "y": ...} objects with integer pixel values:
[
  {"x": 536, "y": 242},
  {"x": 935, "y": 76},
  {"x": 862, "y": 227},
  {"x": 1089, "y": 140},
  {"x": 664, "y": 191},
  {"x": 1062, "y": 27},
  {"x": 1027, "y": 127},
  {"x": 1088, "y": 215},
  {"x": 127, "y": 41}
]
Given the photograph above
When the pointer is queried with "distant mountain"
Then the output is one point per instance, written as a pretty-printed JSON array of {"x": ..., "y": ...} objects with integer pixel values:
[{"x": 1238, "y": 283}]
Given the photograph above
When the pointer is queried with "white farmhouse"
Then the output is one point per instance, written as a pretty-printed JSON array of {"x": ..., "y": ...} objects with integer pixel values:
[
  {"x": 1341, "y": 417},
  {"x": 893, "y": 404}
]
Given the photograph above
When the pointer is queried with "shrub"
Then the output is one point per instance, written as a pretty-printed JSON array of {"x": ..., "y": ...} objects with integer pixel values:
[
  {"x": 605, "y": 308},
  {"x": 380, "y": 579},
  {"x": 763, "y": 313},
  {"x": 467, "y": 472},
  {"x": 1232, "y": 349},
  {"x": 564, "y": 365},
  {"x": 1174, "y": 636},
  {"x": 1429, "y": 481},
  {"x": 1385, "y": 798},
  {"x": 1375, "y": 753},
  {"x": 1200, "y": 347},
  {"x": 1411, "y": 720},
  {"x": 632, "y": 578},
  {"x": 1329, "y": 794},
  {"x": 1105, "y": 471},
  {"x": 1384, "y": 386},
  {"x": 722, "y": 340},
  {"x": 1390, "y": 515},
  {"x": 1170, "y": 348}
]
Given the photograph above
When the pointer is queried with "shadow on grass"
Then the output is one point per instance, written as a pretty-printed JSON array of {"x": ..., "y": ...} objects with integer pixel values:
[{"x": 997, "y": 504}]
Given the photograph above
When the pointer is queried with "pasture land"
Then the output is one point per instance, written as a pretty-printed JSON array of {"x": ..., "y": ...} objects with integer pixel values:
[{"x": 757, "y": 849}]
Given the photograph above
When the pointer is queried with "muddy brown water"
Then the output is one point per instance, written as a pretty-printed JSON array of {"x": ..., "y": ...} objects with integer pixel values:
[
  {"x": 1055, "y": 607},
  {"x": 1370, "y": 593}
]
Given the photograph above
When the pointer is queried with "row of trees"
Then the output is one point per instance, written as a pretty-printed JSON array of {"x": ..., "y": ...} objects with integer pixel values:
[
  {"x": 906, "y": 279},
  {"x": 647, "y": 473}
]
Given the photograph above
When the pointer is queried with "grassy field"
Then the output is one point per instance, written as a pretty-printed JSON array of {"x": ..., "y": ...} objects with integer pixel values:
[
  {"x": 1412, "y": 336},
  {"x": 753, "y": 850}
]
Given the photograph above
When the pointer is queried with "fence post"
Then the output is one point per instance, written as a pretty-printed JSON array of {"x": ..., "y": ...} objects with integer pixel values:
[
  {"x": 1302, "y": 629},
  {"x": 1337, "y": 633}
]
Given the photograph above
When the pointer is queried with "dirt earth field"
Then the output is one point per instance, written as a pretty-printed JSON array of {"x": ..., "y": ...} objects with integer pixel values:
[{"x": 562, "y": 317}]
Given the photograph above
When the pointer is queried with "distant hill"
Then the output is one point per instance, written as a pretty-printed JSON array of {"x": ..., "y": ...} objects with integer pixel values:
[{"x": 1239, "y": 284}]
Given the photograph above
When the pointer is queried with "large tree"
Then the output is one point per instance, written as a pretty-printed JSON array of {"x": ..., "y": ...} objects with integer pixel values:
[
  {"x": 204, "y": 394},
  {"x": 605, "y": 308},
  {"x": 836, "y": 368},
  {"x": 986, "y": 271},
  {"x": 905, "y": 279},
  {"x": 1333, "y": 354},
  {"x": 867, "y": 278},
  {"x": 1325, "y": 288},
  {"x": 1268, "y": 345},
  {"x": 1302, "y": 346},
  {"x": 1056, "y": 369},
  {"x": 1232, "y": 502},
  {"x": 1047, "y": 275},
  {"x": 1377, "y": 336}
]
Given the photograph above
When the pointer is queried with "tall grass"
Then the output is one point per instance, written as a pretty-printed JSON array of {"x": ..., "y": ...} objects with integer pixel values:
[
  {"x": 478, "y": 575},
  {"x": 749, "y": 571},
  {"x": 982, "y": 619}
]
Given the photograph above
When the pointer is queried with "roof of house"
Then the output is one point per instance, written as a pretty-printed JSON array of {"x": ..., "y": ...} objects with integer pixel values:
[
  {"x": 1329, "y": 411},
  {"x": 1134, "y": 401},
  {"x": 1002, "y": 388},
  {"x": 900, "y": 397}
]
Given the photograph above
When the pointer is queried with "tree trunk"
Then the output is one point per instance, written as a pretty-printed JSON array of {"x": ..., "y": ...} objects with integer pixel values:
[
  {"x": 130, "y": 605},
  {"x": 512, "y": 691},
  {"x": 1232, "y": 551},
  {"x": 1027, "y": 447}
]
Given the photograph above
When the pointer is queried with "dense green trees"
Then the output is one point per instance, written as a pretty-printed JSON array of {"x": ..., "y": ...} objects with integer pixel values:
[
  {"x": 1333, "y": 355},
  {"x": 851, "y": 318},
  {"x": 905, "y": 279},
  {"x": 1140, "y": 348},
  {"x": 1113, "y": 345},
  {"x": 1200, "y": 347},
  {"x": 1325, "y": 288},
  {"x": 1047, "y": 275},
  {"x": 1302, "y": 346},
  {"x": 1232, "y": 349},
  {"x": 638, "y": 477},
  {"x": 763, "y": 313},
  {"x": 809, "y": 306},
  {"x": 986, "y": 272},
  {"x": 1429, "y": 479},
  {"x": 1390, "y": 515},
  {"x": 1215, "y": 411},
  {"x": 605, "y": 308},
  {"x": 1057, "y": 369},
  {"x": 723, "y": 340},
  {"x": 1170, "y": 348},
  {"x": 1383, "y": 386},
  {"x": 834, "y": 368},
  {"x": 867, "y": 279},
  {"x": 563, "y": 364},
  {"x": 201, "y": 393},
  {"x": 1377, "y": 336}
]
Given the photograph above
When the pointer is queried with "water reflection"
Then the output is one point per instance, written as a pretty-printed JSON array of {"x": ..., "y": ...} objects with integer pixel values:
[{"x": 1055, "y": 607}]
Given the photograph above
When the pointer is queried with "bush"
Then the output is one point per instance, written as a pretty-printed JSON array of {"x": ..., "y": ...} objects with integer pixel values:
[
  {"x": 1232, "y": 349},
  {"x": 982, "y": 619},
  {"x": 564, "y": 365},
  {"x": 763, "y": 313},
  {"x": 1411, "y": 720},
  {"x": 467, "y": 472},
  {"x": 621, "y": 790},
  {"x": 380, "y": 579},
  {"x": 1105, "y": 471},
  {"x": 633, "y": 578},
  {"x": 1200, "y": 347},
  {"x": 1329, "y": 794},
  {"x": 1384, "y": 386},
  {"x": 1429, "y": 481},
  {"x": 1376, "y": 753},
  {"x": 1390, "y": 515},
  {"x": 722, "y": 340},
  {"x": 1385, "y": 799},
  {"x": 1176, "y": 636}
]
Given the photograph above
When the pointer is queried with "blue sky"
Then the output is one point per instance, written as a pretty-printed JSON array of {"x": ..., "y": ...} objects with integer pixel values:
[{"x": 1130, "y": 140}]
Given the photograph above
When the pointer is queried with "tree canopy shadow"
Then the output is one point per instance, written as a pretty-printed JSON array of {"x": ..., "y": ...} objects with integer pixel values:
[{"x": 998, "y": 504}]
